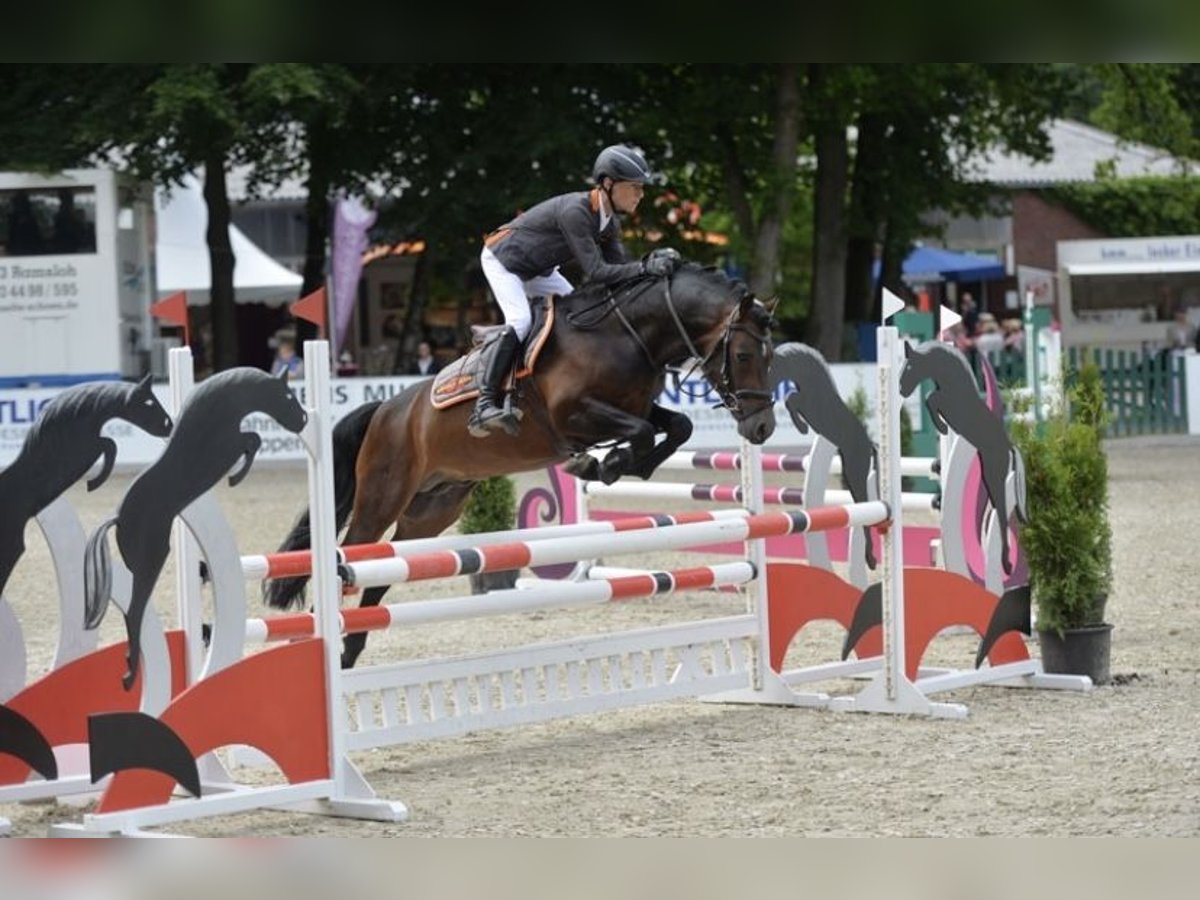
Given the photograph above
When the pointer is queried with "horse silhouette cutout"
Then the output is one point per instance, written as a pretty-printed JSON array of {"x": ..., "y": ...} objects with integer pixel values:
[
  {"x": 60, "y": 448},
  {"x": 816, "y": 404},
  {"x": 407, "y": 464},
  {"x": 207, "y": 444},
  {"x": 955, "y": 404}
]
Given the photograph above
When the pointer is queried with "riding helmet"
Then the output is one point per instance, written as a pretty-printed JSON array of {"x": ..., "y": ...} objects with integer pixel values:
[{"x": 621, "y": 163}]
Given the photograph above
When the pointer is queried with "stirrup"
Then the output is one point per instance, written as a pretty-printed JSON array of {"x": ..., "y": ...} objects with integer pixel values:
[{"x": 484, "y": 420}]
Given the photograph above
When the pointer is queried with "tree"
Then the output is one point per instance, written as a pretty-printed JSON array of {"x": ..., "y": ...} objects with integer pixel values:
[
  {"x": 729, "y": 138},
  {"x": 919, "y": 129}
]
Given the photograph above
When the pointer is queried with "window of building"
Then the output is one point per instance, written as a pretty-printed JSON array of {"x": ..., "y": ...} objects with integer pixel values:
[{"x": 47, "y": 221}]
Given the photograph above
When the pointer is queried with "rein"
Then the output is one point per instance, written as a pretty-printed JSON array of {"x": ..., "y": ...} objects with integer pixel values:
[{"x": 732, "y": 398}]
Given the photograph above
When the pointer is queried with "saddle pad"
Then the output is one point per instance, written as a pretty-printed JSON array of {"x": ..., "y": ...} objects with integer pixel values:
[{"x": 459, "y": 381}]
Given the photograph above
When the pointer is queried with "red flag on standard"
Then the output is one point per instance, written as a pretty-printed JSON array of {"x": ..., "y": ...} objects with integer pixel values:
[
  {"x": 311, "y": 309},
  {"x": 174, "y": 309}
]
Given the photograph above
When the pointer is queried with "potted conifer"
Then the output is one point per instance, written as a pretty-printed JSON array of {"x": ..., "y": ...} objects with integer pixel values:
[
  {"x": 1067, "y": 541},
  {"x": 492, "y": 506}
]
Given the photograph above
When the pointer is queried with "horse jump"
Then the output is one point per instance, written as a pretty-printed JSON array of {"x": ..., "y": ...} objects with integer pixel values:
[{"x": 725, "y": 656}]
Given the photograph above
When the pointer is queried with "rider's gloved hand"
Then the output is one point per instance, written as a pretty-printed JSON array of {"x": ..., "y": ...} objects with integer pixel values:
[{"x": 661, "y": 262}]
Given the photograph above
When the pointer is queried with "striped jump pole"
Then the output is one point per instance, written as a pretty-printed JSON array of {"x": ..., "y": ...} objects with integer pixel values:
[
  {"x": 726, "y": 461},
  {"x": 545, "y": 595},
  {"x": 296, "y": 563},
  {"x": 729, "y": 493},
  {"x": 500, "y": 557}
]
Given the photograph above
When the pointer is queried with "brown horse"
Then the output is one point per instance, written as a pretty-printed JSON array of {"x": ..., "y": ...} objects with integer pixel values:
[{"x": 404, "y": 462}]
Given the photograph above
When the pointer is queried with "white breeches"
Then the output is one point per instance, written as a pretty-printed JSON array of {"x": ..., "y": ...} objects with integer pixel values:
[{"x": 513, "y": 293}]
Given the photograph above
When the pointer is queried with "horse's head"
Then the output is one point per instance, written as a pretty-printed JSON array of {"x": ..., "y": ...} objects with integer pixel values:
[
  {"x": 914, "y": 371},
  {"x": 276, "y": 399},
  {"x": 143, "y": 410},
  {"x": 737, "y": 357}
]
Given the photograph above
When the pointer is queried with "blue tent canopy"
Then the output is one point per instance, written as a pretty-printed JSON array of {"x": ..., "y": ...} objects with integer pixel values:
[{"x": 938, "y": 264}]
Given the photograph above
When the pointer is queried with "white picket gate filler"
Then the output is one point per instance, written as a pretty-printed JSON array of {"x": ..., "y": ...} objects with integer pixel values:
[{"x": 723, "y": 659}]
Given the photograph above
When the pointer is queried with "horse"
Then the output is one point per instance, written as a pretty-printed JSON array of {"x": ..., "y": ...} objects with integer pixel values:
[
  {"x": 206, "y": 444},
  {"x": 60, "y": 448},
  {"x": 596, "y": 380},
  {"x": 820, "y": 406},
  {"x": 955, "y": 403}
]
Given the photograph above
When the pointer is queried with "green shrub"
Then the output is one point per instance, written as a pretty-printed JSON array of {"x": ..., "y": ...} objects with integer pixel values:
[
  {"x": 492, "y": 506},
  {"x": 1068, "y": 540}
]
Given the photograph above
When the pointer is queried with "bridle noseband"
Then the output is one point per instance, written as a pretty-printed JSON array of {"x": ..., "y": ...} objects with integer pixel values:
[{"x": 732, "y": 398}]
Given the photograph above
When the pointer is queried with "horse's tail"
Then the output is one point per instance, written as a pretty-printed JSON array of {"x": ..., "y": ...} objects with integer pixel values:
[
  {"x": 1018, "y": 465},
  {"x": 348, "y": 437},
  {"x": 97, "y": 576}
]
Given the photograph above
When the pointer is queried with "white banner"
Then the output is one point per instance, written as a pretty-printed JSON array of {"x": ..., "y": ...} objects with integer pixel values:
[{"x": 714, "y": 429}]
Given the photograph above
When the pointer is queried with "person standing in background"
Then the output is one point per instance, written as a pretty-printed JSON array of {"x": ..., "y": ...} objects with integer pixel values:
[
  {"x": 425, "y": 363},
  {"x": 286, "y": 359}
]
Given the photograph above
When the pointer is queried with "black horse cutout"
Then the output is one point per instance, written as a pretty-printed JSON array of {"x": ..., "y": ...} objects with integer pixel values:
[
  {"x": 207, "y": 443},
  {"x": 816, "y": 404},
  {"x": 62, "y": 446},
  {"x": 954, "y": 403}
]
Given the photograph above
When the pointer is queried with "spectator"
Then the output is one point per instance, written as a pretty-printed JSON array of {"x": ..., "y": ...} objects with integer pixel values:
[
  {"x": 988, "y": 339},
  {"x": 425, "y": 363},
  {"x": 1181, "y": 333},
  {"x": 1014, "y": 335},
  {"x": 286, "y": 359},
  {"x": 970, "y": 314}
]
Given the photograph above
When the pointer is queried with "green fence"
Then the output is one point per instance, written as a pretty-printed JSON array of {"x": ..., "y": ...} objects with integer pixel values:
[
  {"x": 1145, "y": 394},
  {"x": 1009, "y": 366}
]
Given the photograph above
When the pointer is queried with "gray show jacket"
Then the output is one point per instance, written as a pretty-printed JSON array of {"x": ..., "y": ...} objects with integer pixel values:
[{"x": 558, "y": 230}]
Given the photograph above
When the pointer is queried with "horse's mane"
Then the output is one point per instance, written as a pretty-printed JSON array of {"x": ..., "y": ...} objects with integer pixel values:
[
  {"x": 629, "y": 287},
  {"x": 82, "y": 403},
  {"x": 948, "y": 353}
]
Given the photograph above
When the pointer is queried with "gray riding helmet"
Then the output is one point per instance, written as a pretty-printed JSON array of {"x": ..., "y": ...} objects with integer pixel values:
[{"x": 621, "y": 163}]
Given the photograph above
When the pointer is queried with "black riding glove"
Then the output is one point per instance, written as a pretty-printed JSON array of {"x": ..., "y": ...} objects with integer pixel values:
[{"x": 661, "y": 262}]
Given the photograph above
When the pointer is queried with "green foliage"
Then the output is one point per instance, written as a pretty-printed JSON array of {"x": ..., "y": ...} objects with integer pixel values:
[
  {"x": 1068, "y": 539},
  {"x": 1148, "y": 102},
  {"x": 492, "y": 506},
  {"x": 1135, "y": 207}
]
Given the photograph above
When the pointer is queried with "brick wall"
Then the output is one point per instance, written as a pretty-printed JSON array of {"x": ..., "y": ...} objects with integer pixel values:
[{"x": 1039, "y": 225}]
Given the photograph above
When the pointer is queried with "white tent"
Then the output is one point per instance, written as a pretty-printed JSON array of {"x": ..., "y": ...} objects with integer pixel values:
[{"x": 182, "y": 259}]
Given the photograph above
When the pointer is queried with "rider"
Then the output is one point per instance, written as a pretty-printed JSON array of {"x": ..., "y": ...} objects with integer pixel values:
[{"x": 521, "y": 260}]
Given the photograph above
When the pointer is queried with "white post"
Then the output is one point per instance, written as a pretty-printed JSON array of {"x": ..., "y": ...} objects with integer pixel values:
[
  {"x": 325, "y": 584},
  {"x": 892, "y": 586},
  {"x": 890, "y": 690},
  {"x": 187, "y": 556},
  {"x": 756, "y": 552},
  {"x": 1191, "y": 378},
  {"x": 351, "y": 796}
]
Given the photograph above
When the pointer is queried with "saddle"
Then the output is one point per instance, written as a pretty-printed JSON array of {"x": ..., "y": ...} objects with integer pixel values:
[{"x": 459, "y": 381}]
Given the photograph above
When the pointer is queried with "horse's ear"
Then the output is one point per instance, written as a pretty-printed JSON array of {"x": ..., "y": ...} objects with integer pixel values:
[
  {"x": 283, "y": 374},
  {"x": 908, "y": 350},
  {"x": 144, "y": 384}
]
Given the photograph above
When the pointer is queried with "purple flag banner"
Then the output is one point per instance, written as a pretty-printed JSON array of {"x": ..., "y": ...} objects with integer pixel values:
[{"x": 351, "y": 221}]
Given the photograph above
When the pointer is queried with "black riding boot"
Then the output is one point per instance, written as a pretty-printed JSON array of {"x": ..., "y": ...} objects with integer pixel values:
[{"x": 489, "y": 413}]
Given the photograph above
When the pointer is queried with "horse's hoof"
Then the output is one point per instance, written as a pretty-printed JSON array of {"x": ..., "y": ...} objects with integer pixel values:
[
  {"x": 584, "y": 466},
  {"x": 615, "y": 465}
]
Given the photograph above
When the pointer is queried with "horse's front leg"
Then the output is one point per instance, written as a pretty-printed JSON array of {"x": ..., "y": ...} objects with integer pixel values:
[
  {"x": 595, "y": 422},
  {"x": 676, "y": 426},
  {"x": 934, "y": 408},
  {"x": 108, "y": 449},
  {"x": 250, "y": 444}
]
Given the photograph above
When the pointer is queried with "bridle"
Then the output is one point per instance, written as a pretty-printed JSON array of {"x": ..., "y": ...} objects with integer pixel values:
[{"x": 732, "y": 397}]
